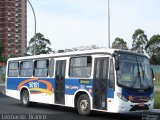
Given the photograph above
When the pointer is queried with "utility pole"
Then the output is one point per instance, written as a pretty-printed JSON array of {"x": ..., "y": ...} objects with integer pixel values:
[
  {"x": 108, "y": 24},
  {"x": 34, "y": 28}
]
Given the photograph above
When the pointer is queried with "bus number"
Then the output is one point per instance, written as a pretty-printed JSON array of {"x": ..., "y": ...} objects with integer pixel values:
[{"x": 33, "y": 84}]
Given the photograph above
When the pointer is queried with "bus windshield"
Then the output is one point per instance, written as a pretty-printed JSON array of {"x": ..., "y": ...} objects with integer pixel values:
[{"x": 134, "y": 72}]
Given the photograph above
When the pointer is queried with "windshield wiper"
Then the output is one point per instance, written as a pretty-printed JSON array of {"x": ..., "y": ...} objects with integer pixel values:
[
  {"x": 142, "y": 70},
  {"x": 137, "y": 76}
]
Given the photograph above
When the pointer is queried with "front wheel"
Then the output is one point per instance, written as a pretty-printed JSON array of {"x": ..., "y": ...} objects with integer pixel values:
[
  {"x": 83, "y": 105},
  {"x": 25, "y": 98}
]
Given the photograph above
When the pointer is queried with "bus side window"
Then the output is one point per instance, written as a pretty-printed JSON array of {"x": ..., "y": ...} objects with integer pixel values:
[
  {"x": 111, "y": 75},
  {"x": 51, "y": 68},
  {"x": 13, "y": 70},
  {"x": 26, "y": 68},
  {"x": 41, "y": 68},
  {"x": 80, "y": 66}
]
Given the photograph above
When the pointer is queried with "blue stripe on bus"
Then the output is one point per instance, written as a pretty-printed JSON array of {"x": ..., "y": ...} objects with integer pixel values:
[
  {"x": 128, "y": 93},
  {"x": 71, "y": 85},
  {"x": 12, "y": 83},
  {"x": 110, "y": 93},
  {"x": 134, "y": 96}
]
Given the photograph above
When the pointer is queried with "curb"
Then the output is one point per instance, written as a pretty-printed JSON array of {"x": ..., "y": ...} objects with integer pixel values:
[{"x": 156, "y": 110}]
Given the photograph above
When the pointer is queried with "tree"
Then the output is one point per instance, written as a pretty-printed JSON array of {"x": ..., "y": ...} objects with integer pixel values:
[
  {"x": 2, "y": 59},
  {"x": 1, "y": 47},
  {"x": 139, "y": 41},
  {"x": 153, "y": 49},
  {"x": 119, "y": 43},
  {"x": 42, "y": 45}
]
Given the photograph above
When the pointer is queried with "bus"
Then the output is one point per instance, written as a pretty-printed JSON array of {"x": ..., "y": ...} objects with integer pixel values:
[{"x": 107, "y": 80}]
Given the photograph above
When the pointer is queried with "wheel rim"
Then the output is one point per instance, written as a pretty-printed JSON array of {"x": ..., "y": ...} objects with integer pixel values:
[
  {"x": 25, "y": 98},
  {"x": 84, "y": 105}
]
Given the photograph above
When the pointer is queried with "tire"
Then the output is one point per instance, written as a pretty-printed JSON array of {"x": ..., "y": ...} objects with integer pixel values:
[
  {"x": 83, "y": 105},
  {"x": 25, "y": 98}
]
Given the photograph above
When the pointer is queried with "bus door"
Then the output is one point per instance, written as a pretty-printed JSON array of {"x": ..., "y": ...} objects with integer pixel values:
[
  {"x": 60, "y": 82},
  {"x": 100, "y": 83}
]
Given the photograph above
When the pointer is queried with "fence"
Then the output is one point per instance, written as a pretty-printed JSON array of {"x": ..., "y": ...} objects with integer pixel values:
[{"x": 156, "y": 70}]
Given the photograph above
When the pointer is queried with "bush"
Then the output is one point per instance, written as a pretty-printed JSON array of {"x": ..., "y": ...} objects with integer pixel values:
[
  {"x": 157, "y": 100},
  {"x": 3, "y": 78}
]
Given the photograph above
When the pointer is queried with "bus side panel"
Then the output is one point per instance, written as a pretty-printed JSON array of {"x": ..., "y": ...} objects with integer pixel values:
[
  {"x": 72, "y": 86},
  {"x": 11, "y": 87},
  {"x": 13, "y": 93},
  {"x": 40, "y": 89}
]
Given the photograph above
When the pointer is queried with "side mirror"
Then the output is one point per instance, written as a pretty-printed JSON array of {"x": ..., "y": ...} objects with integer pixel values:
[
  {"x": 152, "y": 73},
  {"x": 116, "y": 61},
  {"x": 117, "y": 65}
]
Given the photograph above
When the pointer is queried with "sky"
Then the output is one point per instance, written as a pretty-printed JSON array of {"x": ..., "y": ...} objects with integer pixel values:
[{"x": 74, "y": 23}]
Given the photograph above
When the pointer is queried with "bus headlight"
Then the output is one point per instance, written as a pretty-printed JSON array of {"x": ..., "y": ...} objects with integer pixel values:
[
  {"x": 152, "y": 96},
  {"x": 122, "y": 97}
]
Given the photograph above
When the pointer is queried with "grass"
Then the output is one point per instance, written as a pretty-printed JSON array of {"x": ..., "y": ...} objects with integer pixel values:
[
  {"x": 157, "y": 95},
  {"x": 3, "y": 78},
  {"x": 157, "y": 83},
  {"x": 3, "y": 82},
  {"x": 157, "y": 100}
]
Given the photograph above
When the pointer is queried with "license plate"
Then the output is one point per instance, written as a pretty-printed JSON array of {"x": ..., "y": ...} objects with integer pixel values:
[{"x": 140, "y": 105}]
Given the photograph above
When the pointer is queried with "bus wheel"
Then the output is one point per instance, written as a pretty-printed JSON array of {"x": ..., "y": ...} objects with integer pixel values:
[
  {"x": 25, "y": 98},
  {"x": 83, "y": 105}
]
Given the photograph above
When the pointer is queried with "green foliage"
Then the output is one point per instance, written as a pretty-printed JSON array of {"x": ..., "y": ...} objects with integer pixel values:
[
  {"x": 42, "y": 45},
  {"x": 13, "y": 56},
  {"x": 153, "y": 49},
  {"x": 157, "y": 83},
  {"x": 119, "y": 43},
  {"x": 3, "y": 59},
  {"x": 3, "y": 78},
  {"x": 1, "y": 47},
  {"x": 157, "y": 100},
  {"x": 139, "y": 41},
  {"x": 157, "y": 95}
]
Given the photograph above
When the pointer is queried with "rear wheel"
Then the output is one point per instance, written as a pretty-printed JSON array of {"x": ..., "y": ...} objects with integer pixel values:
[
  {"x": 83, "y": 105},
  {"x": 25, "y": 98}
]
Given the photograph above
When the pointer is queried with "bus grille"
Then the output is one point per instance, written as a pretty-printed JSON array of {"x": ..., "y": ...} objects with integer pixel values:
[{"x": 137, "y": 108}]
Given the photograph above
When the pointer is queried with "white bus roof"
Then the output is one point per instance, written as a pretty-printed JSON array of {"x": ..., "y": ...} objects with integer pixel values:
[{"x": 75, "y": 53}]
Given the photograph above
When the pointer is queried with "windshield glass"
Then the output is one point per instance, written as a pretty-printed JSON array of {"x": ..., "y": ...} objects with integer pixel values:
[{"x": 134, "y": 72}]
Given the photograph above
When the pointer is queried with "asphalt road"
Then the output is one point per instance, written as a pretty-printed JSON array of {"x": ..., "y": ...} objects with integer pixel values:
[{"x": 11, "y": 108}]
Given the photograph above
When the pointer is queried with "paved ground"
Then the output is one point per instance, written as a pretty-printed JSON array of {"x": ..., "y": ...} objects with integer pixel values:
[{"x": 10, "y": 106}]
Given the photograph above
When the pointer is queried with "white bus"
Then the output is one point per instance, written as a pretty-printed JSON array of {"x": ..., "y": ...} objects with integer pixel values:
[{"x": 105, "y": 80}]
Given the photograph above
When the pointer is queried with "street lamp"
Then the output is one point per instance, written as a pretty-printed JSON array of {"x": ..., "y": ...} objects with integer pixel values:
[
  {"x": 108, "y": 25},
  {"x": 35, "y": 27}
]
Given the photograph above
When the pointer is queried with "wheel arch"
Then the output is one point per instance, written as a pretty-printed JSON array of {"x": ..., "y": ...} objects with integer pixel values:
[
  {"x": 24, "y": 88},
  {"x": 80, "y": 92}
]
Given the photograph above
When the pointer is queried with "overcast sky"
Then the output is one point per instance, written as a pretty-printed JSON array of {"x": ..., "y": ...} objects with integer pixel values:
[{"x": 74, "y": 23}]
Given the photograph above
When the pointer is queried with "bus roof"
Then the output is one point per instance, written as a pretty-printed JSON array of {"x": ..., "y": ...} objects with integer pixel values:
[{"x": 75, "y": 53}]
